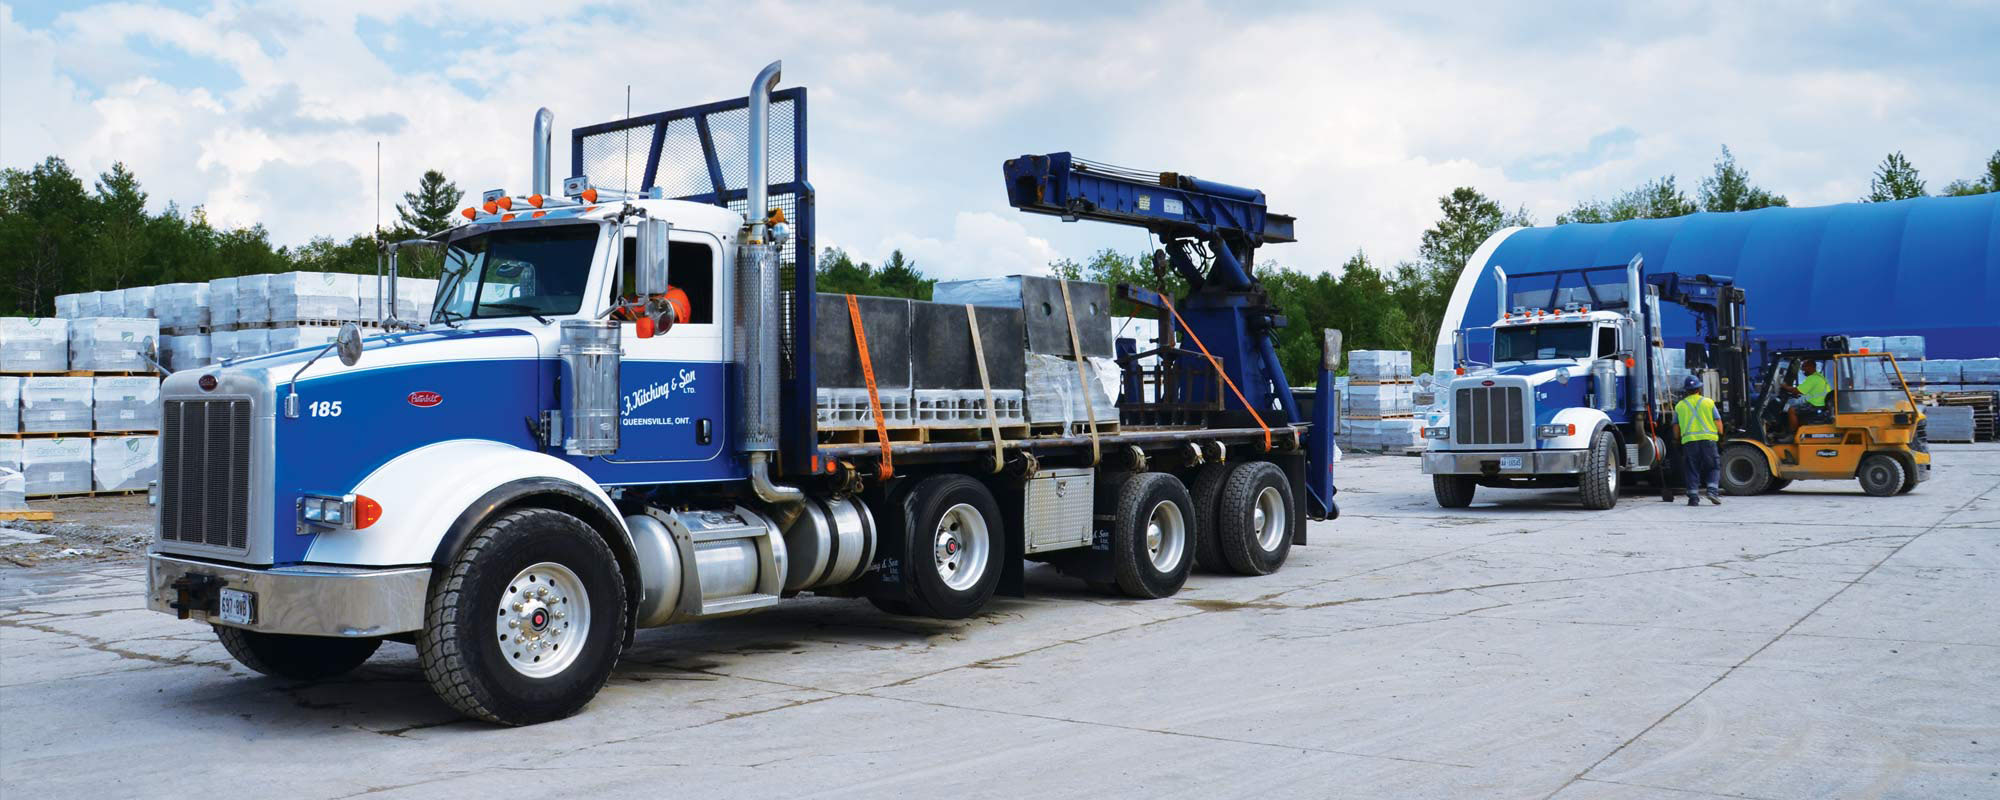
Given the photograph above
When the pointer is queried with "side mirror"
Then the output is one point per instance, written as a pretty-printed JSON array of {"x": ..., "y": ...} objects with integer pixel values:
[
  {"x": 656, "y": 314},
  {"x": 347, "y": 343}
]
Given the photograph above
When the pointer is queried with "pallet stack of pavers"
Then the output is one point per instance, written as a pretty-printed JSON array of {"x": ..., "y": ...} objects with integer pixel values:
[
  {"x": 79, "y": 403},
  {"x": 1379, "y": 403}
]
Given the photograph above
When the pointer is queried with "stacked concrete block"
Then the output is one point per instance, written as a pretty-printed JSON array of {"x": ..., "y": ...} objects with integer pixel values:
[
  {"x": 252, "y": 342},
  {"x": 1904, "y": 348},
  {"x": 1381, "y": 399},
  {"x": 124, "y": 463},
  {"x": 56, "y": 466},
  {"x": 125, "y": 404},
  {"x": 1378, "y": 365},
  {"x": 298, "y": 296},
  {"x": 1979, "y": 370},
  {"x": 187, "y": 352},
  {"x": 13, "y": 484},
  {"x": 136, "y": 302},
  {"x": 113, "y": 344},
  {"x": 414, "y": 297},
  {"x": 183, "y": 307},
  {"x": 66, "y": 306},
  {"x": 31, "y": 344},
  {"x": 56, "y": 405},
  {"x": 90, "y": 304},
  {"x": 253, "y": 300},
  {"x": 283, "y": 339},
  {"x": 222, "y": 346},
  {"x": 1949, "y": 423},
  {"x": 10, "y": 404},
  {"x": 1389, "y": 435},
  {"x": 222, "y": 304}
]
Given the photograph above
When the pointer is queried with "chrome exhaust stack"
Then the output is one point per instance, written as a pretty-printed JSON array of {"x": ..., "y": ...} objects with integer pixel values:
[
  {"x": 1500, "y": 277},
  {"x": 545, "y": 131},
  {"x": 757, "y": 313}
]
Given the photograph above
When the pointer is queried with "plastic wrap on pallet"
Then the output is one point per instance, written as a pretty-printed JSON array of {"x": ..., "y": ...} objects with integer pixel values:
[
  {"x": 1872, "y": 344},
  {"x": 1979, "y": 370},
  {"x": 55, "y": 405},
  {"x": 221, "y": 346},
  {"x": 1382, "y": 434},
  {"x": 126, "y": 404},
  {"x": 222, "y": 303},
  {"x": 1908, "y": 348},
  {"x": 1934, "y": 373},
  {"x": 1378, "y": 365},
  {"x": 414, "y": 298},
  {"x": 253, "y": 299},
  {"x": 138, "y": 302},
  {"x": 255, "y": 342},
  {"x": 10, "y": 404},
  {"x": 10, "y": 453},
  {"x": 112, "y": 344},
  {"x": 66, "y": 305},
  {"x": 182, "y": 307},
  {"x": 1948, "y": 423},
  {"x": 1041, "y": 302},
  {"x": 1054, "y": 394},
  {"x": 56, "y": 466},
  {"x": 282, "y": 339},
  {"x": 90, "y": 304},
  {"x": 1675, "y": 359},
  {"x": 1380, "y": 399},
  {"x": 314, "y": 295},
  {"x": 193, "y": 351},
  {"x": 13, "y": 489},
  {"x": 34, "y": 344},
  {"x": 123, "y": 463}
]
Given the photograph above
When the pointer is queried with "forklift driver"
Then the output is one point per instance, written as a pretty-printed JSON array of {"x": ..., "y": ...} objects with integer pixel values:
[{"x": 1808, "y": 396}]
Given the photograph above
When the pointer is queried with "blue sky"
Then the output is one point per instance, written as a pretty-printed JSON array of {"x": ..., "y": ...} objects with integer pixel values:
[{"x": 1352, "y": 117}]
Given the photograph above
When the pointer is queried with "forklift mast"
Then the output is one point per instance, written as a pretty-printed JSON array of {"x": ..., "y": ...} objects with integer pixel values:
[{"x": 1722, "y": 338}]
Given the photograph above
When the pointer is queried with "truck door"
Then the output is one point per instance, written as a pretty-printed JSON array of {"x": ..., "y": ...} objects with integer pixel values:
[{"x": 674, "y": 386}]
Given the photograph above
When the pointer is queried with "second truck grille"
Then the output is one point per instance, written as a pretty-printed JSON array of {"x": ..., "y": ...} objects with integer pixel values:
[
  {"x": 1489, "y": 415},
  {"x": 205, "y": 472}
]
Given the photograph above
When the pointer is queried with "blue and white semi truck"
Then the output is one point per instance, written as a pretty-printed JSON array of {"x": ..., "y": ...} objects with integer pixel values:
[
  {"x": 1577, "y": 394},
  {"x": 609, "y": 423}
]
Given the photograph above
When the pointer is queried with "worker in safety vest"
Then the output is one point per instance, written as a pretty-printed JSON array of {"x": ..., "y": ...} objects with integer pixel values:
[
  {"x": 1809, "y": 395},
  {"x": 1701, "y": 428}
]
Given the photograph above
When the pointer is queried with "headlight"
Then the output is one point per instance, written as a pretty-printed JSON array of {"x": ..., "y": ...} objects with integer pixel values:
[
  {"x": 335, "y": 514},
  {"x": 1554, "y": 431},
  {"x": 1438, "y": 433},
  {"x": 315, "y": 509}
]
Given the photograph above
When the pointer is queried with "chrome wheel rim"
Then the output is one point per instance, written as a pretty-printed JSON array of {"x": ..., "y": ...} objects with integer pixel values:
[
  {"x": 1166, "y": 536},
  {"x": 1269, "y": 518},
  {"x": 544, "y": 620},
  {"x": 960, "y": 547}
]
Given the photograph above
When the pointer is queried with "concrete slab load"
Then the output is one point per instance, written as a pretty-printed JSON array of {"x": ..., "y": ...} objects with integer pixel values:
[{"x": 1815, "y": 643}]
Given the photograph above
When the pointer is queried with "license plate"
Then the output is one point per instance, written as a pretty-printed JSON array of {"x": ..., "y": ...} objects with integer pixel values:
[
  {"x": 1510, "y": 462},
  {"x": 237, "y": 606}
]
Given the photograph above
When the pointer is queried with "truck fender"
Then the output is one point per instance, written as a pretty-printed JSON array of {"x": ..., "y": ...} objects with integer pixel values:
[
  {"x": 435, "y": 497},
  {"x": 1588, "y": 422}
]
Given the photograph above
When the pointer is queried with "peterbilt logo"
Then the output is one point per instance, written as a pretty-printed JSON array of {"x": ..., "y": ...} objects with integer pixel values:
[{"x": 425, "y": 399}]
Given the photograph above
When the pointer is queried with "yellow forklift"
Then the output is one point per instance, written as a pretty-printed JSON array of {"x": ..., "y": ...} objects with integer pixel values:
[{"x": 1870, "y": 428}]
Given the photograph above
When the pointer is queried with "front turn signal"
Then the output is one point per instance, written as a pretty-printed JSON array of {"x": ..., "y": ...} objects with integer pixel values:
[{"x": 366, "y": 511}]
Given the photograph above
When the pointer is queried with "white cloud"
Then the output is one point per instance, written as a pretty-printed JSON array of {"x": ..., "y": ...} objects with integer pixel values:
[{"x": 982, "y": 243}]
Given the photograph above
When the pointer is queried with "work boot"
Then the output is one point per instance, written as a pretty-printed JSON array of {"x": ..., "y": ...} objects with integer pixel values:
[
  {"x": 1715, "y": 497},
  {"x": 1694, "y": 499}
]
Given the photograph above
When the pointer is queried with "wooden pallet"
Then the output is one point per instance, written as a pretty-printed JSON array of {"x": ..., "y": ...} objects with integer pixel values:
[
  {"x": 27, "y": 516},
  {"x": 870, "y": 436},
  {"x": 1046, "y": 430},
  {"x": 74, "y": 434},
  {"x": 84, "y": 373},
  {"x": 1396, "y": 382},
  {"x": 1985, "y": 411},
  {"x": 62, "y": 495}
]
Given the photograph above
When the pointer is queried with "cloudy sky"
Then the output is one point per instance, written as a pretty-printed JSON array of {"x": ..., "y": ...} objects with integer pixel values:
[{"x": 1352, "y": 117}]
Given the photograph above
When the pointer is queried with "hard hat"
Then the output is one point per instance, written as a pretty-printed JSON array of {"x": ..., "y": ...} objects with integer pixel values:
[{"x": 1692, "y": 384}]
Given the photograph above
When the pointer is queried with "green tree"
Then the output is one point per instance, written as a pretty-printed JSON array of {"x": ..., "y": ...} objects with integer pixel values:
[
  {"x": 1895, "y": 179},
  {"x": 1990, "y": 182},
  {"x": 1729, "y": 188},
  {"x": 1654, "y": 199},
  {"x": 119, "y": 231},
  {"x": 899, "y": 277},
  {"x": 44, "y": 234},
  {"x": 428, "y": 209}
]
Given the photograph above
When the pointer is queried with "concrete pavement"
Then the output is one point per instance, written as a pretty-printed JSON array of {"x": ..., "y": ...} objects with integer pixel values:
[{"x": 1816, "y": 643}]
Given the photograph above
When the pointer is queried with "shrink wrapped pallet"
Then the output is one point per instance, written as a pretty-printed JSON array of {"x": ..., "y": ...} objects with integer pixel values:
[
  {"x": 10, "y": 453},
  {"x": 125, "y": 404},
  {"x": 182, "y": 307},
  {"x": 1389, "y": 435},
  {"x": 138, "y": 302},
  {"x": 90, "y": 304},
  {"x": 221, "y": 346},
  {"x": 10, "y": 404},
  {"x": 193, "y": 351},
  {"x": 1056, "y": 395},
  {"x": 1948, "y": 423},
  {"x": 283, "y": 339},
  {"x": 124, "y": 463},
  {"x": 1937, "y": 372},
  {"x": 253, "y": 299},
  {"x": 299, "y": 296},
  {"x": 66, "y": 306},
  {"x": 415, "y": 296},
  {"x": 1378, "y": 365},
  {"x": 1979, "y": 370},
  {"x": 222, "y": 303},
  {"x": 56, "y": 466},
  {"x": 55, "y": 405},
  {"x": 1380, "y": 399},
  {"x": 1872, "y": 344},
  {"x": 34, "y": 344},
  {"x": 1904, "y": 348},
  {"x": 251, "y": 343},
  {"x": 113, "y": 344},
  {"x": 13, "y": 489}
]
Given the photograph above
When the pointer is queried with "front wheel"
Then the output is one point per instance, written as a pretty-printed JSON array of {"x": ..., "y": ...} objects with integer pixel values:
[
  {"x": 1454, "y": 491},
  {"x": 1599, "y": 482},
  {"x": 528, "y": 622},
  {"x": 299, "y": 658},
  {"x": 1881, "y": 475},
  {"x": 1745, "y": 471}
]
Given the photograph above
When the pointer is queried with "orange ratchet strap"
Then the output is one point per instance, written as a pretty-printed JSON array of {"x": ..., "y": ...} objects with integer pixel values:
[
  {"x": 874, "y": 398},
  {"x": 1218, "y": 371}
]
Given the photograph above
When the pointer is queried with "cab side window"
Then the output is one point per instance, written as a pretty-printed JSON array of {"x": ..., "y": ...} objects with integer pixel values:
[
  {"x": 1607, "y": 342},
  {"x": 690, "y": 268}
]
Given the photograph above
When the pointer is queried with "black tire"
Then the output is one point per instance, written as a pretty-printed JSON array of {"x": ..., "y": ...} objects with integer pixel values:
[
  {"x": 1454, "y": 491},
  {"x": 1145, "y": 568},
  {"x": 1777, "y": 485},
  {"x": 1745, "y": 471},
  {"x": 1248, "y": 547},
  {"x": 923, "y": 510},
  {"x": 1881, "y": 475},
  {"x": 1598, "y": 484},
  {"x": 1909, "y": 480},
  {"x": 1206, "y": 492},
  {"x": 891, "y": 606},
  {"x": 462, "y": 656},
  {"x": 298, "y": 658}
]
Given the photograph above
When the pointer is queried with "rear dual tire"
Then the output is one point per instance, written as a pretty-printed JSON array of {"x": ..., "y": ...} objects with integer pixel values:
[{"x": 953, "y": 537}]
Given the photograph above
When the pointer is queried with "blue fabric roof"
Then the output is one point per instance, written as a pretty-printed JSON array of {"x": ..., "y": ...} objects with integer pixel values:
[{"x": 1927, "y": 267}]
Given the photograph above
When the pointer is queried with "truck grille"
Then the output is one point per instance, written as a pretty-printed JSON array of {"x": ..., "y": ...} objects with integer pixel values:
[
  {"x": 205, "y": 472},
  {"x": 1489, "y": 415}
]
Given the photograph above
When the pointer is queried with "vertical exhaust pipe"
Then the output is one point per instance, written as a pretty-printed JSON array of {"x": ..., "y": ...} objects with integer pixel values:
[
  {"x": 1500, "y": 278},
  {"x": 545, "y": 131},
  {"x": 757, "y": 316}
]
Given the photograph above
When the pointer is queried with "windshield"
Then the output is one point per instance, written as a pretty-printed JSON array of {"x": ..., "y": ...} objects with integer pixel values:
[
  {"x": 1868, "y": 383},
  {"x": 537, "y": 271},
  {"x": 1530, "y": 342}
]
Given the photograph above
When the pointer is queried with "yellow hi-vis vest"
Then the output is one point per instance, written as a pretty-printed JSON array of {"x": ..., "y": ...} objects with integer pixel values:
[
  {"x": 1696, "y": 415},
  {"x": 1814, "y": 388}
]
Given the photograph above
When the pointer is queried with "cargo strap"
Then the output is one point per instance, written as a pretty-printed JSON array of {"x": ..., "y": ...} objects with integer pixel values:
[
  {"x": 1218, "y": 371},
  {"x": 986, "y": 385},
  {"x": 886, "y": 468},
  {"x": 1082, "y": 376}
]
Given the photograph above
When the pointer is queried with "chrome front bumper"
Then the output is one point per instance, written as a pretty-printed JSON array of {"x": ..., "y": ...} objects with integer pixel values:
[
  {"x": 310, "y": 600},
  {"x": 1533, "y": 462}
]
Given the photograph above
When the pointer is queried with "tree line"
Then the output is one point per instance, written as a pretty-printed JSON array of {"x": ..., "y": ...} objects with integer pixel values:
[{"x": 57, "y": 236}]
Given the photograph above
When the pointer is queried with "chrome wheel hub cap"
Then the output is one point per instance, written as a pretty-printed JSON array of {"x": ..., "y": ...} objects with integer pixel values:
[
  {"x": 543, "y": 619},
  {"x": 1166, "y": 536},
  {"x": 960, "y": 547},
  {"x": 1268, "y": 519}
]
